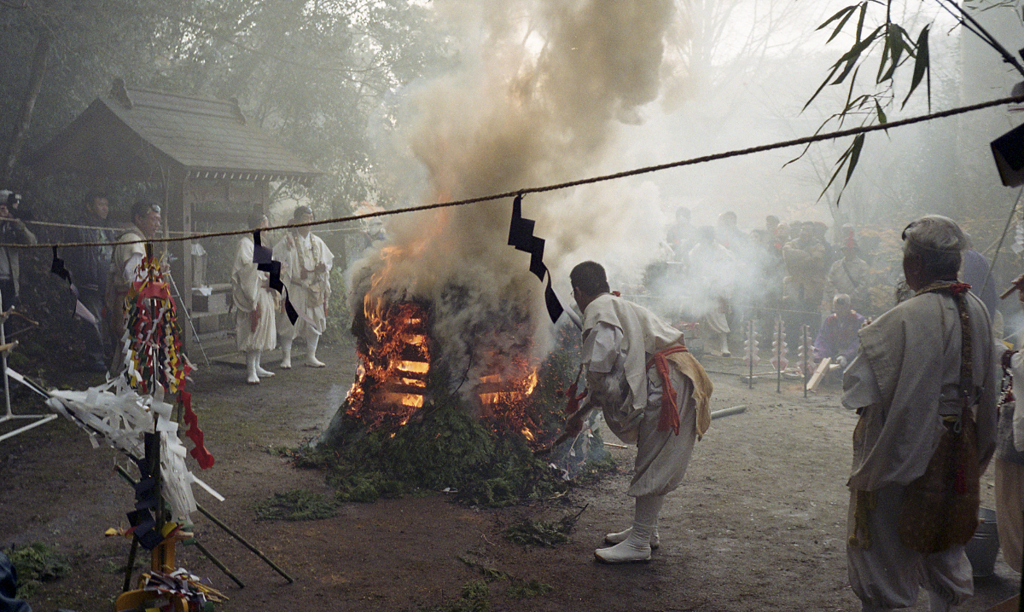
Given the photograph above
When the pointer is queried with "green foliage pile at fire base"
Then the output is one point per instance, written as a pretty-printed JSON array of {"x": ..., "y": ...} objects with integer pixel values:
[
  {"x": 443, "y": 447},
  {"x": 446, "y": 449}
]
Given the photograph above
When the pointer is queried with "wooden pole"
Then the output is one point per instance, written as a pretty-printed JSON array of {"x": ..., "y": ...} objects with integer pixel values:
[
  {"x": 750, "y": 353},
  {"x": 778, "y": 355},
  {"x": 806, "y": 350},
  {"x": 217, "y": 562},
  {"x": 219, "y": 523}
]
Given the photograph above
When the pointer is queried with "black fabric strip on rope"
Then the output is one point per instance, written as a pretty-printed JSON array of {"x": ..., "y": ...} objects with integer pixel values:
[
  {"x": 263, "y": 257},
  {"x": 520, "y": 236},
  {"x": 57, "y": 267}
]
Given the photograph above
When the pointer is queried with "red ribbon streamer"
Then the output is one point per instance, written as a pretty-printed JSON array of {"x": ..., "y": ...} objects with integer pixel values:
[
  {"x": 573, "y": 403},
  {"x": 669, "y": 410},
  {"x": 202, "y": 456}
]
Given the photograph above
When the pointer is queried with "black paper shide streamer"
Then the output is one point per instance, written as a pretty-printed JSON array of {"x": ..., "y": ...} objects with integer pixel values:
[
  {"x": 147, "y": 495},
  {"x": 57, "y": 267},
  {"x": 520, "y": 235},
  {"x": 263, "y": 257}
]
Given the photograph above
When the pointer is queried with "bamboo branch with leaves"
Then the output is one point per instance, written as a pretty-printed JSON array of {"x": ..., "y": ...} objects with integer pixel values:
[{"x": 895, "y": 48}]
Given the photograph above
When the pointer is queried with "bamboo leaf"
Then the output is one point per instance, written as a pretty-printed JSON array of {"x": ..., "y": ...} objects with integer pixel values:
[
  {"x": 820, "y": 87},
  {"x": 899, "y": 46},
  {"x": 881, "y": 113},
  {"x": 886, "y": 53},
  {"x": 843, "y": 16},
  {"x": 832, "y": 180},
  {"x": 851, "y": 57},
  {"x": 849, "y": 93},
  {"x": 848, "y": 160},
  {"x": 860, "y": 20},
  {"x": 921, "y": 64},
  {"x": 844, "y": 13},
  {"x": 855, "y": 148}
]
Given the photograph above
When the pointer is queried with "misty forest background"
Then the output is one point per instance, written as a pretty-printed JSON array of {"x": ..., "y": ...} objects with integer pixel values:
[{"x": 333, "y": 80}]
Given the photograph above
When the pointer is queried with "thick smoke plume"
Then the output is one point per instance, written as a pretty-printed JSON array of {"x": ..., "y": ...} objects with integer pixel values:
[{"x": 539, "y": 93}]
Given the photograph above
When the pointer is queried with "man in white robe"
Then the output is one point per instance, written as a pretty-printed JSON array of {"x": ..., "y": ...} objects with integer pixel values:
[
  {"x": 254, "y": 304},
  {"x": 1009, "y": 459},
  {"x": 905, "y": 379},
  {"x": 627, "y": 353},
  {"x": 124, "y": 270},
  {"x": 713, "y": 272},
  {"x": 306, "y": 264}
]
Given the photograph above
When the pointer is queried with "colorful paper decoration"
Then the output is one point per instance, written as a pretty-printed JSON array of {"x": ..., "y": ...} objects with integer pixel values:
[{"x": 152, "y": 337}]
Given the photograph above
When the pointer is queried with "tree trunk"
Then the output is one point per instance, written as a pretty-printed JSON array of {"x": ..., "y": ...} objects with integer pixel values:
[{"x": 35, "y": 83}]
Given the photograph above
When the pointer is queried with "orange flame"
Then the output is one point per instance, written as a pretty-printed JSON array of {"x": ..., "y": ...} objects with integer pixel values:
[{"x": 395, "y": 362}]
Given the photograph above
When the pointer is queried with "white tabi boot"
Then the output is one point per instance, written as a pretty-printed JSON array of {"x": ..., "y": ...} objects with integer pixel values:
[
  {"x": 259, "y": 369},
  {"x": 311, "y": 359},
  {"x": 250, "y": 368},
  {"x": 615, "y": 538},
  {"x": 637, "y": 545},
  {"x": 286, "y": 350}
]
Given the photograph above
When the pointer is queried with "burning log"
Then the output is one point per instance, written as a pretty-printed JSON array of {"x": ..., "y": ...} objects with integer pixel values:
[
  {"x": 399, "y": 348},
  {"x": 413, "y": 420},
  {"x": 392, "y": 340}
]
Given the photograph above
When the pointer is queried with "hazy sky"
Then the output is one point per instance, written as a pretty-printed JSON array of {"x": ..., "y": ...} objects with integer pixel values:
[{"x": 546, "y": 91}]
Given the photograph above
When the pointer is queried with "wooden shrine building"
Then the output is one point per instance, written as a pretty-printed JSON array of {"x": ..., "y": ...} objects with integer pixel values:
[{"x": 211, "y": 166}]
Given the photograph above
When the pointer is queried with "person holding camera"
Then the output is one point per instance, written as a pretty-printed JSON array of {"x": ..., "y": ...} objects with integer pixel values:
[{"x": 12, "y": 231}]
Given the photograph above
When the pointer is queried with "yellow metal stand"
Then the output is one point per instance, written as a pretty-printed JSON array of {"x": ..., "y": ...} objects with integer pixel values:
[{"x": 162, "y": 561}]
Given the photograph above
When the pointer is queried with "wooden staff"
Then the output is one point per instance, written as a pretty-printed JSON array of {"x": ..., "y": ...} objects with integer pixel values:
[{"x": 1015, "y": 286}]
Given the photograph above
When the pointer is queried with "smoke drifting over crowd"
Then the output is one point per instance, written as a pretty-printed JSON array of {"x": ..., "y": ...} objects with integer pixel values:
[{"x": 542, "y": 92}]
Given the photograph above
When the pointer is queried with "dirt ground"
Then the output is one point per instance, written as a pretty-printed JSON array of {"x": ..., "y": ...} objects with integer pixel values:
[{"x": 758, "y": 524}]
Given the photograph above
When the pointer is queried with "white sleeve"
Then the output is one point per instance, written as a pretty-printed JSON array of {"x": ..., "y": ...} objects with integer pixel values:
[
  {"x": 605, "y": 374},
  {"x": 1017, "y": 370},
  {"x": 860, "y": 388},
  {"x": 131, "y": 266},
  {"x": 601, "y": 348}
]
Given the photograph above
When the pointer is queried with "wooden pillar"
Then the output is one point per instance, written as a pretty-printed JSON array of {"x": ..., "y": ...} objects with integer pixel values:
[
  {"x": 178, "y": 218},
  {"x": 263, "y": 203}
]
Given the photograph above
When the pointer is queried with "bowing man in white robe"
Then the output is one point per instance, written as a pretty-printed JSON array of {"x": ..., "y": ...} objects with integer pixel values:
[{"x": 652, "y": 392}]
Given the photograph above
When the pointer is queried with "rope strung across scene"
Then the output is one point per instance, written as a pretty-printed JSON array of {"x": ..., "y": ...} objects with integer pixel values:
[
  {"x": 33, "y": 222},
  {"x": 558, "y": 186}
]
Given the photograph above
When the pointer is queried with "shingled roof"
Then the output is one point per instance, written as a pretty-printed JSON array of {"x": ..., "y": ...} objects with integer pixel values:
[{"x": 138, "y": 134}]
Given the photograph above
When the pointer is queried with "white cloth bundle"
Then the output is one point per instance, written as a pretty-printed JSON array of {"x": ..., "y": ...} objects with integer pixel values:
[{"x": 116, "y": 415}]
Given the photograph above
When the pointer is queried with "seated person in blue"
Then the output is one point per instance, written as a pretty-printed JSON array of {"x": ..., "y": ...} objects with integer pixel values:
[{"x": 838, "y": 337}]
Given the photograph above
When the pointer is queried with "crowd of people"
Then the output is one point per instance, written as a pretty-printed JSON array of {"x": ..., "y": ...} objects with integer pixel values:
[
  {"x": 804, "y": 274},
  {"x": 107, "y": 261},
  {"x": 924, "y": 378}
]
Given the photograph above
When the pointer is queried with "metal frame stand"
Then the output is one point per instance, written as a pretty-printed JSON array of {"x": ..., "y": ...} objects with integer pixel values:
[
  {"x": 37, "y": 419},
  {"x": 188, "y": 317}
]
